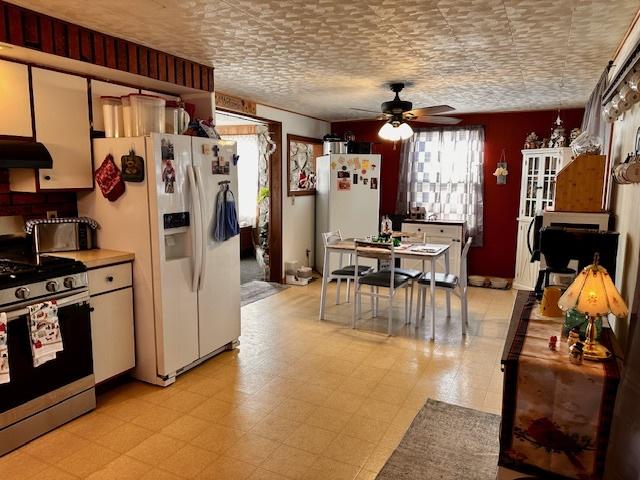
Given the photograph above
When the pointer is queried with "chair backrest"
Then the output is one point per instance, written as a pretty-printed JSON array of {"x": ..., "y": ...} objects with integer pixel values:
[
  {"x": 331, "y": 237},
  {"x": 463, "y": 263},
  {"x": 381, "y": 251}
]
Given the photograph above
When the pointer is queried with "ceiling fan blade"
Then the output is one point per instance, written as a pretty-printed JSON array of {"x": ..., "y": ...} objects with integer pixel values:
[
  {"x": 365, "y": 110},
  {"x": 437, "y": 119},
  {"x": 419, "y": 112}
]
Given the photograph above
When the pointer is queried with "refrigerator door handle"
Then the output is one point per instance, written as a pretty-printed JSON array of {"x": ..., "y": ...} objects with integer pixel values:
[
  {"x": 197, "y": 252},
  {"x": 203, "y": 229}
]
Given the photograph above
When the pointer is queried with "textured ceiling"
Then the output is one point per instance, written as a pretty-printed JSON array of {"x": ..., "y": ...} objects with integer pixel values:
[{"x": 321, "y": 57}]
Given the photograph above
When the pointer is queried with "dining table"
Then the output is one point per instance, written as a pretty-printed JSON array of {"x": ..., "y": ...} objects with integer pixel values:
[{"x": 424, "y": 252}]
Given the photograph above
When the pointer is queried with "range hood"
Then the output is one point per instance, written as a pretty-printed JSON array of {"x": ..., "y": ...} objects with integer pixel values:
[{"x": 24, "y": 154}]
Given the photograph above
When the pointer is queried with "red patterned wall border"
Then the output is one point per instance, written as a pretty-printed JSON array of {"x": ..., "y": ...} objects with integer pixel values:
[{"x": 26, "y": 28}]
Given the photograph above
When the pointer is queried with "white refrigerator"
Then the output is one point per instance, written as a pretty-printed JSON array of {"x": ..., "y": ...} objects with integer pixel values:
[
  {"x": 347, "y": 199},
  {"x": 186, "y": 285}
]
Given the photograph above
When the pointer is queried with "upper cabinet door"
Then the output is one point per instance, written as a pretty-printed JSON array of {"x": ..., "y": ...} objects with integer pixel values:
[
  {"x": 61, "y": 109},
  {"x": 15, "y": 104}
]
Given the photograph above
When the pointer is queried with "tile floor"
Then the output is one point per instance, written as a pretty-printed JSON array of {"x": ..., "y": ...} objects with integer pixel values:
[{"x": 299, "y": 399}]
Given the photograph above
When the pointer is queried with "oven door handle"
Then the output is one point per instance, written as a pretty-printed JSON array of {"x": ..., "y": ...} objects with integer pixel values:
[{"x": 62, "y": 302}]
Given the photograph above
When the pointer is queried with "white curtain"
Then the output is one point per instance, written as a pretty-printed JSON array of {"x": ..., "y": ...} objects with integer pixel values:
[
  {"x": 248, "y": 149},
  {"x": 441, "y": 170}
]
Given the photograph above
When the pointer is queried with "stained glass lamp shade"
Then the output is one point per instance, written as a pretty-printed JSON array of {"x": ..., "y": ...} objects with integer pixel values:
[{"x": 594, "y": 294}]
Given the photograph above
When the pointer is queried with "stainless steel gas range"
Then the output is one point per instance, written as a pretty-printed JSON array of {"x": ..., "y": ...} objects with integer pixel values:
[{"x": 38, "y": 399}]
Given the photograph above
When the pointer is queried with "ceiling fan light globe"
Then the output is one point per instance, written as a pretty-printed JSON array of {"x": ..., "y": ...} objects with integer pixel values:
[
  {"x": 389, "y": 132},
  {"x": 405, "y": 131}
]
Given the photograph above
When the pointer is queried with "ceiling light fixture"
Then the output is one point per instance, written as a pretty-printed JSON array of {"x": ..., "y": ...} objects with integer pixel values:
[{"x": 394, "y": 131}]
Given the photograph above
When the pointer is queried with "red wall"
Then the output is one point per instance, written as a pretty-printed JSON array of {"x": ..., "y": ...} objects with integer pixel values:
[{"x": 502, "y": 130}]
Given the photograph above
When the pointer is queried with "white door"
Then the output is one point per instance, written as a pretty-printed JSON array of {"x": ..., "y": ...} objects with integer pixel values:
[
  {"x": 174, "y": 215},
  {"x": 219, "y": 288}
]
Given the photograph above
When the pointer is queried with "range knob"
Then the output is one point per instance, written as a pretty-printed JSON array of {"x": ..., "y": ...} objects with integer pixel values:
[
  {"x": 69, "y": 282},
  {"x": 23, "y": 293},
  {"x": 52, "y": 286}
]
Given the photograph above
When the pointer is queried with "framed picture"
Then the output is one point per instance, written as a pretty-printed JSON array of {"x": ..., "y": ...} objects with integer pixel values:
[{"x": 301, "y": 164}]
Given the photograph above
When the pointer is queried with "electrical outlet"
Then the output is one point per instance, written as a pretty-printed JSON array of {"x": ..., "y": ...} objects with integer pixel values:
[{"x": 52, "y": 214}]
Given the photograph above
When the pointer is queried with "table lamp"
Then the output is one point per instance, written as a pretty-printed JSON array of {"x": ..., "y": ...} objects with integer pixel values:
[{"x": 593, "y": 294}]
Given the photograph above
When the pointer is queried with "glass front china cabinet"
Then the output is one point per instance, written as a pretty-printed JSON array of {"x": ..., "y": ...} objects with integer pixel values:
[{"x": 537, "y": 193}]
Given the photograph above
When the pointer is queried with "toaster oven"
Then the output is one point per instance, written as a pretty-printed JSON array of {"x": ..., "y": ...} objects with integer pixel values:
[{"x": 63, "y": 237}]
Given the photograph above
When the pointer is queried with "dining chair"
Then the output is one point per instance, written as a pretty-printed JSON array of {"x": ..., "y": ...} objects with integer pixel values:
[
  {"x": 458, "y": 285},
  {"x": 347, "y": 272},
  {"x": 386, "y": 278},
  {"x": 413, "y": 273}
]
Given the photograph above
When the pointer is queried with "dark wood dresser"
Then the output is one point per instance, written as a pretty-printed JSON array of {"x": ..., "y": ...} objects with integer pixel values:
[{"x": 556, "y": 416}]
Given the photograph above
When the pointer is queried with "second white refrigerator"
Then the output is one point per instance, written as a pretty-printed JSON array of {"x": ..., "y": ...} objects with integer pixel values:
[
  {"x": 347, "y": 199},
  {"x": 186, "y": 285}
]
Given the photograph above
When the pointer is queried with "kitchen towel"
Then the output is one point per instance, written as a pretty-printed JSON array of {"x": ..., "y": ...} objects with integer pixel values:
[
  {"x": 4, "y": 352},
  {"x": 226, "y": 223},
  {"x": 46, "y": 339}
]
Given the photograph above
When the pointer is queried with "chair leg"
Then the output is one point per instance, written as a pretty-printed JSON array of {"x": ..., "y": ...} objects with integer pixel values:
[
  {"x": 390, "y": 312},
  {"x": 407, "y": 304},
  {"x": 356, "y": 294},
  {"x": 463, "y": 310},
  {"x": 448, "y": 304},
  {"x": 373, "y": 299},
  {"x": 348, "y": 297},
  {"x": 418, "y": 305},
  {"x": 323, "y": 296},
  {"x": 424, "y": 307},
  {"x": 338, "y": 291},
  {"x": 377, "y": 304},
  {"x": 411, "y": 300}
]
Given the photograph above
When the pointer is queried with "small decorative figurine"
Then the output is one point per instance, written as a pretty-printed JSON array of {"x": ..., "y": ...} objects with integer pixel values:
[
  {"x": 552, "y": 343},
  {"x": 558, "y": 138},
  {"x": 532, "y": 141},
  {"x": 574, "y": 337},
  {"x": 576, "y": 354}
]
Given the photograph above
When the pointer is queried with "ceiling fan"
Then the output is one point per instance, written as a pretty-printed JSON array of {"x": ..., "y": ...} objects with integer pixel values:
[{"x": 397, "y": 112}]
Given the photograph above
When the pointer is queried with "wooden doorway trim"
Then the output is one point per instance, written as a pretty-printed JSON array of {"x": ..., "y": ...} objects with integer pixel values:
[{"x": 275, "y": 195}]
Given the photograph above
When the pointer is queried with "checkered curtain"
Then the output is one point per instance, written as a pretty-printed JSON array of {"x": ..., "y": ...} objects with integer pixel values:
[{"x": 442, "y": 171}]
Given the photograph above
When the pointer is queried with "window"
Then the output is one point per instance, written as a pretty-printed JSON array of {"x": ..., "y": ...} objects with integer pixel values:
[{"x": 441, "y": 171}]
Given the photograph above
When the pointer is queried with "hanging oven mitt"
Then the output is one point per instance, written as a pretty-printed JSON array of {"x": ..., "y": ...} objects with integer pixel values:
[
  {"x": 109, "y": 179},
  {"x": 4, "y": 351}
]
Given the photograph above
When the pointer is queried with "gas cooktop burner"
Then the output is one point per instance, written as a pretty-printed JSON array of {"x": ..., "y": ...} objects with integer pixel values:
[
  {"x": 10, "y": 267},
  {"x": 24, "y": 270}
]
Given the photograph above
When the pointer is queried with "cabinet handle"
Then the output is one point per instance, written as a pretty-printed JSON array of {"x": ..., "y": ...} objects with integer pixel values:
[
  {"x": 47, "y": 177},
  {"x": 110, "y": 278}
]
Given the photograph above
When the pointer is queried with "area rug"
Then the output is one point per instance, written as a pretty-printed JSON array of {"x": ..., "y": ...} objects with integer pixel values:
[
  {"x": 446, "y": 442},
  {"x": 257, "y": 290}
]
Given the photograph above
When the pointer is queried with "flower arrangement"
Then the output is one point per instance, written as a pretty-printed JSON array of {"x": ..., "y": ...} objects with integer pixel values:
[
  {"x": 501, "y": 172},
  {"x": 501, "y": 169}
]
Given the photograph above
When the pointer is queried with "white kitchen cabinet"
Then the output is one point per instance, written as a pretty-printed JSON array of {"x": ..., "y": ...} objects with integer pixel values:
[
  {"x": 15, "y": 100},
  {"x": 537, "y": 193},
  {"x": 452, "y": 234},
  {"x": 61, "y": 112},
  {"x": 112, "y": 322}
]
